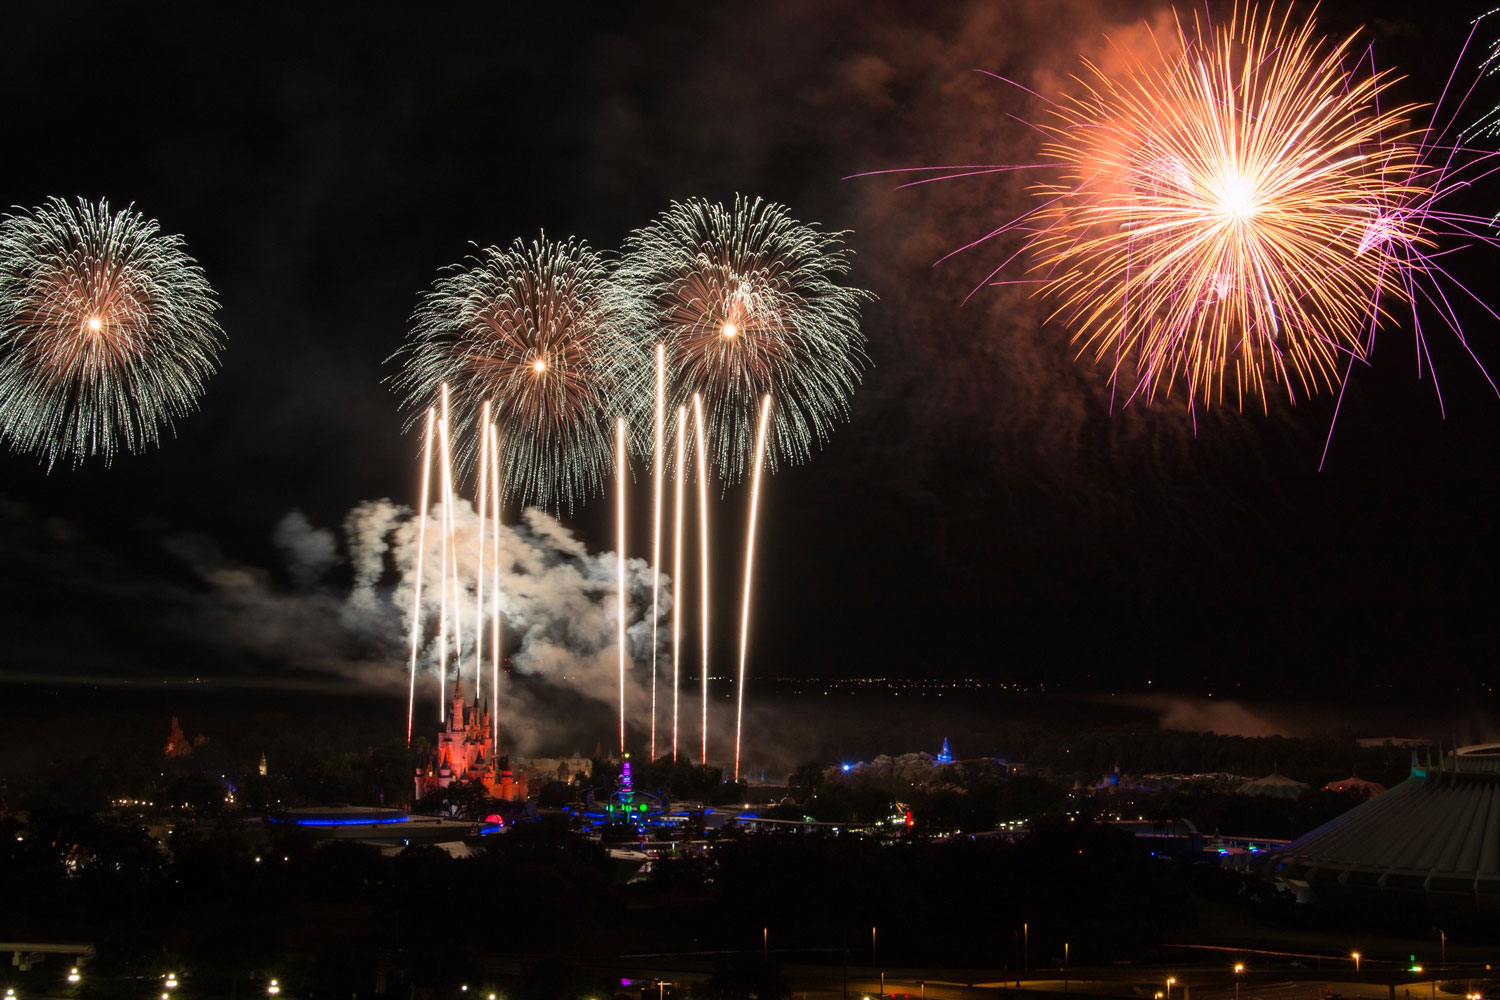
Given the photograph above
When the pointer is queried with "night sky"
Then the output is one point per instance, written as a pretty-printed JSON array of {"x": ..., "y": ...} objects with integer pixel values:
[{"x": 982, "y": 515}]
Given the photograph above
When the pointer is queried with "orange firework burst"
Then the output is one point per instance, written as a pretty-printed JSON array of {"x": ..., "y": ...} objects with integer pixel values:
[{"x": 1212, "y": 221}]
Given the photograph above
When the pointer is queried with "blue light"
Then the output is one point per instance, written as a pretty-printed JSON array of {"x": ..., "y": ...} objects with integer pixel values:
[
  {"x": 946, "y": 756},
  {"x": 364, "y": 821},
  {"x": 847, "y": 767}
]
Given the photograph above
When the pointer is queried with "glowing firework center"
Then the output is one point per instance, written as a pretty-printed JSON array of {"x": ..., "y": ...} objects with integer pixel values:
[{"x": 1214, "y": 210}]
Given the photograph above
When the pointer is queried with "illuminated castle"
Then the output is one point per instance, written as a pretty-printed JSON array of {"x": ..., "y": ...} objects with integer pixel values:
[
  {"x": 178, "y": 745},
  {"x": 466, "y": 752}
]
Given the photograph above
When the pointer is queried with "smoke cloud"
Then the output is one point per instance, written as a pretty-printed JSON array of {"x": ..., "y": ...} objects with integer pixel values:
[
  {"x": 309, "y": 551},
  {"x": 203, "y": 613},
  {"x": 556, "y": 602}
]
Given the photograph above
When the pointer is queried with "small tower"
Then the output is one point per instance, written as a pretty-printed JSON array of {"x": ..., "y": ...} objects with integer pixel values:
[
  {"x": 458, "y": 703},
  {"x": 946, "y": 756},
  {"x": 262, "y": 768},
  {"x": 177, "y": 744}
]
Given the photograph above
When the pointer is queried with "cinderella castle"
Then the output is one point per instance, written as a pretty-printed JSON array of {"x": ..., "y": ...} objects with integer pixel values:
[{"x": 466, "y": 752}]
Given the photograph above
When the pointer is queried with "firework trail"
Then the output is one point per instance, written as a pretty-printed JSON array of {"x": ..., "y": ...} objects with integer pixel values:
[
  {"x": 746, "y": 301},
  {"x": 449, "y": 561},
  {"x": 620, "y": 473},
  {"x": 450, "y": 542},
  {"x": 451, "y": 590},
  {"x": 657, "y": 459},
  {"x": 760, "y": 444},
  {"x": 483, "y": 488},
  {"x": 107, "y": 330},
  {"x": 1413, "y": 230},
  {"x": 698, "y": 431},
  {"x": 540, "y": 329},
  {"x": 1242, "y": 208},
  {"x": 416, "y": 609},
  {"x": 681, "y": 474},
  {"x": 493, "y": 441}
]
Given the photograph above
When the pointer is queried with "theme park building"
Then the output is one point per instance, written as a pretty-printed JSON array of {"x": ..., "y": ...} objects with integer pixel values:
[{"x": 466, "y": 752}]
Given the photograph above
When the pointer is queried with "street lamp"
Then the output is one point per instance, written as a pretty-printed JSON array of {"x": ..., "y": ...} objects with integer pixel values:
[
  {"x": 873, "y": 959},
  {"x": 1170, "y": 981},
  {"x": 1239, "y": 970},
  {"x": 1026, "y": 947},
  {"x": 1355, "y": 955}
]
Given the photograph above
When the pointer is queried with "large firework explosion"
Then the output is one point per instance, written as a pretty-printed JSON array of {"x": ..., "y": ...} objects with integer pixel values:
[
  {"x": 539, "y": 331},
  {"x": 1211, "y": 216},
  {"x": 107, "y": 330},
  {"x": 1241, "y": 206},
  {"x": 747, "y": 302}
]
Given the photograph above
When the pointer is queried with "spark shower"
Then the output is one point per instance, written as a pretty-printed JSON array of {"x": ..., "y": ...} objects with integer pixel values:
[{"x": 731, "y": 316}]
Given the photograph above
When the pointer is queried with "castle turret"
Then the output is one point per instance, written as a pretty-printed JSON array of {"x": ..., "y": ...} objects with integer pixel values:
[
  {"x": 177, "y": 743},
  {"x": 466, "y": 751}
]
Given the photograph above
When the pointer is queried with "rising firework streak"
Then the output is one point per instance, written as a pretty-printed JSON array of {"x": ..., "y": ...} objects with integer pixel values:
[
  {"x": 703, "y": 568},
  {"x": 681, "y": 474},
  {"x": 493, "y": 440},
  {"x": 620, "y": 473},
  {"x": 416, "y": 610},
  {"x": 760, "y": 445},
  {"x": 483, "y": 488},
  {"x": 437, "y": 448},
  {"x": 657, "y": 460}
]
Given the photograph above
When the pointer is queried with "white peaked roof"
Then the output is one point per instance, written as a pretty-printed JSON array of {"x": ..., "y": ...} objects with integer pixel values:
[
  {"x": 1275, "y": 785},
  {"x": 1434, "y": 837}
]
